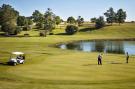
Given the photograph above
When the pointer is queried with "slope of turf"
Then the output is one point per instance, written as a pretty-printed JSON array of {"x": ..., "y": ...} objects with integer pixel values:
[{"x": 47, "y": 67}]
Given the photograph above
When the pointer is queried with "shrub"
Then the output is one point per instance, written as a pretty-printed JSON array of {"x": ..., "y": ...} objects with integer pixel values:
[
  {"x": 132, "y": 21},
  {"x": 100, "y": 22},
  {"x": 17, "y": 30},
  {"x": 13, "y": 31},
  {"x": 51, "y": 33},
  {"x": 43, "y": 34},
  {"x": 8, "y": 28},
  {"x": 27, "y": 28},
  {"x": 26, "y": 35},
  {"x": 71, "y": 29}
]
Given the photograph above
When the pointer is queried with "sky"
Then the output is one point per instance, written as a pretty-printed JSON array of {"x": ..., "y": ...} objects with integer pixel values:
[{"x": 65, "y": 8}]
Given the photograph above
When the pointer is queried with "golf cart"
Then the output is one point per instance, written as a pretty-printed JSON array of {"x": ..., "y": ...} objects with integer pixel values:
[{"x": 16, "y": 58}]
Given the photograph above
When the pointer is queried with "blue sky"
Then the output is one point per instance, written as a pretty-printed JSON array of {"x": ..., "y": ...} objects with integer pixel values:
[{"x": 65, "y": 8}]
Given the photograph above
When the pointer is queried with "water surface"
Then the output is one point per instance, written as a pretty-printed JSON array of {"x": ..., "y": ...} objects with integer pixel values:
[{"x": 118, "y": 47}]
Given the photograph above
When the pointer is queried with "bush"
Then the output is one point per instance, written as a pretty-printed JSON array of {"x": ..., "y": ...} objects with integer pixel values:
[
  {"x": 26, "y": 35},
  {"x": 51, "y": 33},
  {"x": 27, "y": 28},
  {"x": 8, "y": 28},
  {"x": 132, "y": 21},
  {"x": 13, "y": 31},
  {"x": 71, "y": 29},
  {"x": 17, "y": 30},
  {"x": 42, "y": 34},
  {"x": 100, "y": 22}
]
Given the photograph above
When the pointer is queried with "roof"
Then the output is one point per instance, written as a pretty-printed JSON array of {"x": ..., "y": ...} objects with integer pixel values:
[{"x": 17, "y": 53}]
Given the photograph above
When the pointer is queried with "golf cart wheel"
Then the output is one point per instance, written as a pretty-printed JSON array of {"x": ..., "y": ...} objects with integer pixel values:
[
  {"x": 22, "y": 63},
  {"x": 15, "y": 64}
]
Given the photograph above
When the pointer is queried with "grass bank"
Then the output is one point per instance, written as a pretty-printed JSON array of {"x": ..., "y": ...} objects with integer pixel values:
[{"x": 52, "y": 68}]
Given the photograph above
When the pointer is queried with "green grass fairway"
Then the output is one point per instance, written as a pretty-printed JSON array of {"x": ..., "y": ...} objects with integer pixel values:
[{"x": 48, "y": 67}]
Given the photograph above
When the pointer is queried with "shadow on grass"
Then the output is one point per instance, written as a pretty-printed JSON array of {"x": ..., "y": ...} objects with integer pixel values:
[
  {"x": 112, "y": 62},
  {"x": 4, "y": 63},
  {"x": 65, "y": 34},
  {"x": 2, "y": 34},
  {"x": 97, "y": 64},
  {"x": 116, "y": 63},
  {"x": 89, "y": 64},
  {"x": 87, "y": 29},
  {"x": 47, "y": 53},
  {"x": 78, "y": 82}
]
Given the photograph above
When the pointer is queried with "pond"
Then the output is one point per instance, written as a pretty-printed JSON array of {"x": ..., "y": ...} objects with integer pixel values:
[{"x": 118, "y": 47}]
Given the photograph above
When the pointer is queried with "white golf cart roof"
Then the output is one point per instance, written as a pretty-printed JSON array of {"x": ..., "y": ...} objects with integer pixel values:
[{"x": 18, "y": 53}]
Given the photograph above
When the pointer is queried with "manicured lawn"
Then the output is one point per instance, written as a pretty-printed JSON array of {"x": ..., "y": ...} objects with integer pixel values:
[{"x": 47, "y": 67}]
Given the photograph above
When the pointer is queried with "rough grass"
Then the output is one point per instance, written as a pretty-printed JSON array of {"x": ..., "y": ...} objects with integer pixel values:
[{"x": 52, "y": 68}]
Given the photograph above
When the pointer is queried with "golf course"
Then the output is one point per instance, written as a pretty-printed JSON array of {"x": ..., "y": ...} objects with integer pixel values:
[
  {"x": 49, "y": 67},
  {"x": 67, "y": 44}
]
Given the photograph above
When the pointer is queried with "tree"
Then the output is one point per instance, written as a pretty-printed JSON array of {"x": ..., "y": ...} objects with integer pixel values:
[
  {"x": 57, "y": 20},
  {"x": 29, "y": 20},
  {"x": 80, "y": 20},
  {"x": 8, "y": 18},
  {"x": 62, "y": 20},
  {"x": 29, "y": 23},
  {"x": 121, "y": 16},
  {"x": 24, "y": 22},
  {"x": 49, "y": 23},
  {"x": 71, "y": 29},
  {"x": 100, "y": 22},
  {"x": 93, "y": 20},
  {"x": 111, "y": 15},
  {"x": 21, "y": 21},
  {"x": 71, "y": 20},
  {"x": 38, "y": 18}
]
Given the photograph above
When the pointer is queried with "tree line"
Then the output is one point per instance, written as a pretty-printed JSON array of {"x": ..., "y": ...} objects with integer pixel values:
[
  {"x": 111, "y": 17},
  {"x": 12, "y": 23}
]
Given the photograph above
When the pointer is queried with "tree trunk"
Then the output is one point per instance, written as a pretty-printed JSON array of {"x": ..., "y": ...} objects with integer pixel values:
[
  {"x": 119, "y": 24},
  {"x": 111, "y": 24},
  {"x": 45, "y": 34},
  {"x": 6, "y": 33}
]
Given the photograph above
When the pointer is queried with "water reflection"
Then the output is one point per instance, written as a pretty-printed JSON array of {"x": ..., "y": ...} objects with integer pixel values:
[
  {"x": 114, "y": 47},
  {"x": 119, "y": 47}
]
